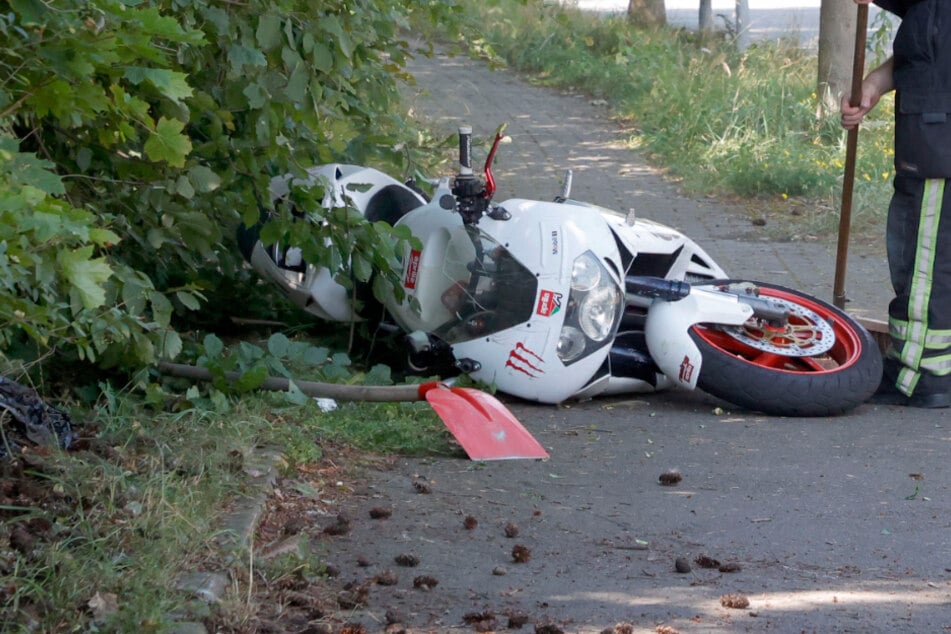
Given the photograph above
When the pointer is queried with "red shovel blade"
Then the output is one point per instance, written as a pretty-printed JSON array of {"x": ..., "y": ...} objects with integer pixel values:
[{"x": 484, "y": 427}]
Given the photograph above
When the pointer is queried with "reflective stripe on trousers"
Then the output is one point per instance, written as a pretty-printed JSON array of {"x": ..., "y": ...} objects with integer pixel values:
[{"x": 916, "y": 343}]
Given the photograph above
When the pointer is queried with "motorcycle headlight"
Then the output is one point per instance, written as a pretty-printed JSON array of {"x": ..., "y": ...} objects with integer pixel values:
[
  {"x": 586, "y": 272},
  {"x": 571, "y": 344},
  {"x": 594, "y": 309},
  {"x": 598, "y": 311}
]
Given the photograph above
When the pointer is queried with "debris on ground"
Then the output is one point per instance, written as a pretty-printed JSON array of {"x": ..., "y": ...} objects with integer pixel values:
[
  {"x": 705, "y": 561},
  {"x": 517, "y": 620},
  {"x": 425, "y": 582},
  {"x": 735, "y": 601},
  {"x": 387, "y": 578},
  {"x": 422, "y": 487},
  {"x": 481, "y": 621},
  {"x": 341, "y": 526},
  {"x": 25, "y": 419},
  {"x": 521, "y": 554},
  {"x": 407, "y": 560}
]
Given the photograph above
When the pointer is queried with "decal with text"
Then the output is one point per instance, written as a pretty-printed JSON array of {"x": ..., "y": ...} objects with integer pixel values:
[
  {"x": 549, "y": 302},
  {"x": 686, "y": 370},
  {"x": 412, "y": 269}
]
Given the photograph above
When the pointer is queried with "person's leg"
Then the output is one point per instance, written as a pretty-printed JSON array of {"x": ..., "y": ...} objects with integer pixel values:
[{"x": 919, "y": 257}]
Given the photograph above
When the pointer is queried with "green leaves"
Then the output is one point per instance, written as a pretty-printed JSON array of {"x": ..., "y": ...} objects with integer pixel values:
[
  {"x": 86, "y": 274},
  {"x": 240, "y": 56},
  {"x": 173, "y": 85},
  {"x": 168, "y": 143},
  {"x": 29, "y": 169},
  {"x": 31, "y": 11},
  {"x": 283, "y": 357},
  {"x": 59, "y": 286},
  {"x": 338, "y": 35},
  {"x": 161, "y": 124},
  {"x": 268, "y": 34}
]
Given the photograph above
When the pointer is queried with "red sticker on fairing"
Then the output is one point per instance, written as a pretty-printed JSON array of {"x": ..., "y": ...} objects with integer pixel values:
[
  {"x": 523, "y": 360},
  {"x": 686, "y": 370},
  {"x": 412, "y": 269},
  {"x": 549, "y": 302}
]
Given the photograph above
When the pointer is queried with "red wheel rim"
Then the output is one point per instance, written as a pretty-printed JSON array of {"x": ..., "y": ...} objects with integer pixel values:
[{"x": 844, "y": 352}]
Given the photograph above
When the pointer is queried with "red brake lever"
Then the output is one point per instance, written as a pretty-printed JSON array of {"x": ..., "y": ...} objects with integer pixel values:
[{"x": 489, "y": 179}]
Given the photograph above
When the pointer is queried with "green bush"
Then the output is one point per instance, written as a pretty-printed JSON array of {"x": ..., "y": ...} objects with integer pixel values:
[{"x": 137, "y": 134}]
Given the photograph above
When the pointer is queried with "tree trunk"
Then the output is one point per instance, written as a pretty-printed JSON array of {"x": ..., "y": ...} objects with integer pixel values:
[
  {"x": 647, "y": 14},
  {"x": 837, "y": 20},
  {"x": 743, "y": 24},
  {"x": 706, "y": 15}
]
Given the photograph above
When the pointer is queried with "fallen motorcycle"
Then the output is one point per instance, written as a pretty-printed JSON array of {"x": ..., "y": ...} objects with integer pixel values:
[{"x": 561, "y": 300}]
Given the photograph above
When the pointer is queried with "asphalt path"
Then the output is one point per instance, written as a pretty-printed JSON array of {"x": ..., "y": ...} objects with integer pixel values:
[{"x": 833, "y": 525}]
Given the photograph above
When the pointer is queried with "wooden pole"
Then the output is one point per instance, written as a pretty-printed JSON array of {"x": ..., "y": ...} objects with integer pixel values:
[{"x": 848, "y": 179}]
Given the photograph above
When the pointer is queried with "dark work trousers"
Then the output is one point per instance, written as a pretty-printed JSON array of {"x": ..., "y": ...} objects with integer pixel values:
[{"x": 918, "y": 239}]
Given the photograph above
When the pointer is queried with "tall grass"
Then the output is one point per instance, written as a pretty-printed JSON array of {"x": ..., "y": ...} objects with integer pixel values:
[{"x": 722, "y": 121}]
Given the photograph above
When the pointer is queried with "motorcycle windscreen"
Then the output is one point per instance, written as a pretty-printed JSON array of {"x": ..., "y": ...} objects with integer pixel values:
[{"x": 484, "y": 288}]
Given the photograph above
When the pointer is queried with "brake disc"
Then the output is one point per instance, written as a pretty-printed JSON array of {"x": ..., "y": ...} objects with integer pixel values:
[{"x": 805, "y": 334}]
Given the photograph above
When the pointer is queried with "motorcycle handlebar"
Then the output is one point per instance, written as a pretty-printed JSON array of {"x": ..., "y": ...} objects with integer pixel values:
[
  {"x": 465, "y": 150},
  {"x": 470, "y": 192}
]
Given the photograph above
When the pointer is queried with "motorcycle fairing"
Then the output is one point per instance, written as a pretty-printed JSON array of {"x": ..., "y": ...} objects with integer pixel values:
[
  {"x": 648, "y": 238},
  {"x": 668, "y": 325},
  {"x": 377, "y": 196},
  {"x": 525, "y": 358},
  {"x": 312, "y": 289},
  {"x": 640, "y": 236},
  {"x": 653, "y": 249}
]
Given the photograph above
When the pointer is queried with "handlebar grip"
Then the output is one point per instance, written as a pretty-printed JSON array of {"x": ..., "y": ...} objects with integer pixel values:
[{"x": 465, "y": 150}]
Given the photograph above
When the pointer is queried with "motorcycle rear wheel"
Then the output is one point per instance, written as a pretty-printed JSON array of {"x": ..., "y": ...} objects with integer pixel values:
[{"x": 830, "y": 383}]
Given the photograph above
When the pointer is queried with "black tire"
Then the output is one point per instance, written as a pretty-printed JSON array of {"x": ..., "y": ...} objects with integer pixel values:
[{"x": 827, "y": 384}]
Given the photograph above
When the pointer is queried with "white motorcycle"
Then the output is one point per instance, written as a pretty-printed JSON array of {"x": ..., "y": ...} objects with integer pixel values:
[{"x": 561, "y": 300}]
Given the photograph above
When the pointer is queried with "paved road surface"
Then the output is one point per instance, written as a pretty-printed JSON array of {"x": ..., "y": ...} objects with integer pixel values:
[{"x": 829, "y": 528}]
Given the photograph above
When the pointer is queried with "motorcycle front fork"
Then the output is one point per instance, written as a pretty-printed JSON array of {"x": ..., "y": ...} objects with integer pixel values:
[{"x": 653, "y": 288}]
